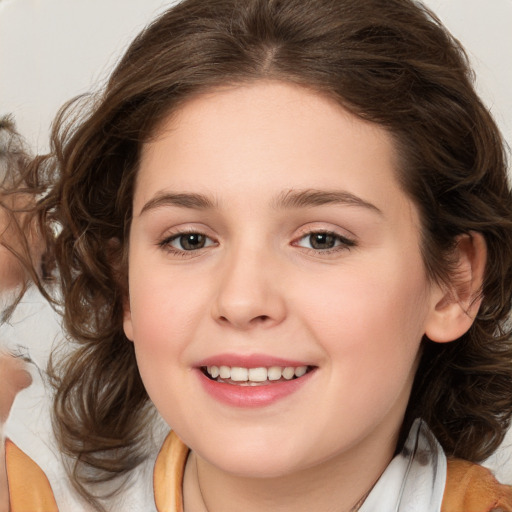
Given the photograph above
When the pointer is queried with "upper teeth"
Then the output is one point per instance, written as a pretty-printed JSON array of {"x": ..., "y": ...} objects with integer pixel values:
[{"x": 239, "y": 374}]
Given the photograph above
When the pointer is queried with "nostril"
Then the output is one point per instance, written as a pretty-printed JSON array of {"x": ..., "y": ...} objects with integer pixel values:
[
  {"x": 261, "y": 318},
  {"x": 256, "y": 319}
]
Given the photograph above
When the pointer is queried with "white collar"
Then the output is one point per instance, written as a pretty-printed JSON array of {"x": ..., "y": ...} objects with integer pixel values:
[{"x": 415, "y": 479}]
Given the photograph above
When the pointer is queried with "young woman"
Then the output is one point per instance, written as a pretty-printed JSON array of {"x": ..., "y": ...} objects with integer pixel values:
[{"x": 287, "y": 226}]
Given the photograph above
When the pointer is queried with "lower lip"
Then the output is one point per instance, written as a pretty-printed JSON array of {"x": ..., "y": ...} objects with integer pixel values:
[{"x": 252, "y": 396}]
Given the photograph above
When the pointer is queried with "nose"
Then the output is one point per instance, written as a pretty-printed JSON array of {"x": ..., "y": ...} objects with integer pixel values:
[{"x": 249, "y": 291}]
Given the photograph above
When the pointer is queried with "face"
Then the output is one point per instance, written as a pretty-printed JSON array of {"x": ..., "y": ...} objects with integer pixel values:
[
  {"x": 272, "y": 243},
  {"x": 11, "y": 272}
]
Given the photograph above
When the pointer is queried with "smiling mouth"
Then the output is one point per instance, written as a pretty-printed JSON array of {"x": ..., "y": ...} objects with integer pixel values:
[{"x": 260, "y": 376}]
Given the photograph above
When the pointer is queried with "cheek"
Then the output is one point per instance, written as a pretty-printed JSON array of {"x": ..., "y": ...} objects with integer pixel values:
[
  {"x": 165, "y": 310},
  {"x": 11, "y": 272},
  {"x": 165, "y": 318},
  {"x": 370, "y": 318},
  {"x": 370, "y": 329}
]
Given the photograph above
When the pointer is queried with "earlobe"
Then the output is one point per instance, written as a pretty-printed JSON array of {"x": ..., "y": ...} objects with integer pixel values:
[
  {"x": 127, "y": 321},
  {"x": 117, "y": 258},
  {"x": 456, "y": 304}
]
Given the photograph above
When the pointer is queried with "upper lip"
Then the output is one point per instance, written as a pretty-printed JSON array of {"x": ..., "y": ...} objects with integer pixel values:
[{"x": 249, "y": 361}]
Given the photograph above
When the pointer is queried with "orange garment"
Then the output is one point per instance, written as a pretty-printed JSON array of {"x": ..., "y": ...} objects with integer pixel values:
[
  {"x": 473, "y": 488},
  {"x": 469, "y": 487},
  {"x": 168, "y": 474},
  {"x": 29, "y": 489}
]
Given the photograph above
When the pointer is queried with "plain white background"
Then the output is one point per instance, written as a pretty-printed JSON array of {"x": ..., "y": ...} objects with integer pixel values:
[{"x": 52, "y": 50}]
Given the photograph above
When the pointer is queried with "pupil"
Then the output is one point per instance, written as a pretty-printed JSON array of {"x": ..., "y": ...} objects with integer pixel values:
[
  {"x": 322, "y": 241},
  {"x": 192, "y": 241}
]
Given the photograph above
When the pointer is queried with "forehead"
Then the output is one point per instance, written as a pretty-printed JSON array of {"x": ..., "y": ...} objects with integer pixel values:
[
  {"x": 286, "y": 112},
  {"x": 266, "y": 137}
]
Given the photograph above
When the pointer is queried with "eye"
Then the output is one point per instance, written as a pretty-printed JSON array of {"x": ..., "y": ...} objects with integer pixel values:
[
  {"x": 324, "y": 241},
  {"x": 187, "y": 242}
]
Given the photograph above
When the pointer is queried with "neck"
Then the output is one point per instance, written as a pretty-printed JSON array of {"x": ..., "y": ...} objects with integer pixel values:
[{"x": 338, "y": 485}]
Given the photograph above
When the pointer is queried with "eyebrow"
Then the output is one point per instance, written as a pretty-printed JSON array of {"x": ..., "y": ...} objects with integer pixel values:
[
  {"x": 289, "y": 199},
  {"x": 314, "y": 197},
  {"x": 183, "y": 200}
]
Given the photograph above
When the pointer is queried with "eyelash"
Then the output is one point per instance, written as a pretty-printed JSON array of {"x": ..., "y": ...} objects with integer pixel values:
[
  {"x": 343, "y": 242},
  {"x": 166, "y": 244}
]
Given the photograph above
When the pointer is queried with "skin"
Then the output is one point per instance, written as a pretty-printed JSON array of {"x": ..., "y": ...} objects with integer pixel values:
[
  {"x": 11, "y": 272},
  {"x": 356, "y": 312}
]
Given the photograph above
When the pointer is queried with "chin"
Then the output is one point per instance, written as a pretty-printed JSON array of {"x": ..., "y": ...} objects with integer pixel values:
[{"x": 253, "y": 461}]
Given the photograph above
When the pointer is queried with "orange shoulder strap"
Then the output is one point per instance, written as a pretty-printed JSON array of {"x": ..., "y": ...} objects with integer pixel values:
[
  {"x": 29, "y": 488},
  {"x": 168, "y": 474},
  {"x": 473, "y": 488}
]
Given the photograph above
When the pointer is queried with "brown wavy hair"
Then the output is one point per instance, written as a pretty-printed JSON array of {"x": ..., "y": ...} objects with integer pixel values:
[{"x": 390, "y": 62}]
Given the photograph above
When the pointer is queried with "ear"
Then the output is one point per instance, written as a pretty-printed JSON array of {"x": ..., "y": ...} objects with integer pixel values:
[
  {"x": 127, "y": 319},
  {"x": 117, "y": 258},
  {"x": 456, "y": 304}
]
